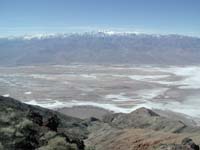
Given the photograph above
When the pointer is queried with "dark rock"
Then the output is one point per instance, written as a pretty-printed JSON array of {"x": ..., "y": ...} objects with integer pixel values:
[
  {"x": 29, "y": 140},
  {"x": 189, "y": 143},
  {"x": 35, "y": 117},
  {"x": 186, "y": 141},
  {"x": 195, "y": 147},
  {"x": 80, "y": 143},
  {"x": 23, "y": 127},
  {"x": 53, "y": 123},
  {"x": 92, "y": 119}
]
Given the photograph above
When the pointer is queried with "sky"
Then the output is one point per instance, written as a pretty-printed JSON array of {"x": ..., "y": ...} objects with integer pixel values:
[{"x": 20, "y": 17}]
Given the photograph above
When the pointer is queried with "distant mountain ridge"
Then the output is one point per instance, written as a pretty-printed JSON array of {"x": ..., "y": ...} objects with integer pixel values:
[
  {"x": 99, "y": 47},
  {"x": 92, "y": 33}
]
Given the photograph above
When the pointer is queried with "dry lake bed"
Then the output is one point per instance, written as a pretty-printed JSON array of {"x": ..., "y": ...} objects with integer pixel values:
[{"x": 117, "y": 88}]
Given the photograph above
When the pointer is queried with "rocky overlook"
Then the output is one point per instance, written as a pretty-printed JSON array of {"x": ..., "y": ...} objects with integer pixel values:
[{"x": 25, "y": 127}]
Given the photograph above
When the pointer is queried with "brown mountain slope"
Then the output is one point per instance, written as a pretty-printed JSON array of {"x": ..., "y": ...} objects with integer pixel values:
[
  {"x": 142, "y": 129},
  {"x": 26, "y": 127}
]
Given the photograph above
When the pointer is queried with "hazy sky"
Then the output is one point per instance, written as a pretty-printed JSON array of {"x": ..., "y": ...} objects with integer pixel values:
[{"x": 19, "y": 17}]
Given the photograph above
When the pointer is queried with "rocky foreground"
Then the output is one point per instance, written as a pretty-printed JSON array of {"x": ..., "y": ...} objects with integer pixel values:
[{"x": 26, "y": 127}]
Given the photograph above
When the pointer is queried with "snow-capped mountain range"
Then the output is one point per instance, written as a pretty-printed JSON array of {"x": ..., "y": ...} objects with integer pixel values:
[
  {"x": 99, "y": 47},
  {"x": 100, "y": 33}
]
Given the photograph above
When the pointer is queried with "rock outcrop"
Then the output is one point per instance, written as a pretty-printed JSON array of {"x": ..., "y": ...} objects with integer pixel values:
[
  {"x": 146, "y": 119},
  {"x": 187, "y": 144},
  {"x": 142, "y": 129},
  {"x": 24, "y": 127}
]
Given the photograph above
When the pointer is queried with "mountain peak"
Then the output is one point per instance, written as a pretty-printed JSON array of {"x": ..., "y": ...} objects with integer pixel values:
[{"x": 144, "y": 111}]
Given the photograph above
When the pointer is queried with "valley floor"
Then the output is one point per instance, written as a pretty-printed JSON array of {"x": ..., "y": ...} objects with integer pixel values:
[{"x": 105, "y": 89}]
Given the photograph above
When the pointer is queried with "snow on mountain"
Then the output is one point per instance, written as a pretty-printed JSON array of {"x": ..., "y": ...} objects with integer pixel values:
[
  {"x": 100, "y": 33},
  {"x": 99, "y": 47}
]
